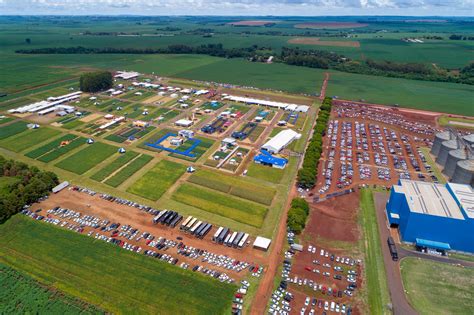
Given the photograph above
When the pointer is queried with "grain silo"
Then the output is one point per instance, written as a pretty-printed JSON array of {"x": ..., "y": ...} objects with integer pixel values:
[
  {"x": 446, "y": 146},
  {"x": 454, "y": 156},
  {"x": 463, "y": 174},
  {"x": 440, "y": 137}
]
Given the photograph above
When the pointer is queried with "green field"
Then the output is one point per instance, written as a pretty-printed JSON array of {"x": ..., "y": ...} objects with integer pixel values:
[
  {"x": 60, "y": 151},
  {"x": 22, "y": 294},
  {"x": 158, "y": 180},
  {"x": 269, "y": 174},
  {"x": 221, "y": 204},
  {"x": 438, "y": 288},
  {"x": 106, "y": 275},
  {"x": 377, "y": 289},
  {"x": 128, "y": 170},
  {"x": 234, "y": 186},
  {"x": 49, "y": 146},
  {"x": 12, "y": 129},
  {"x": 28, "y": 139},
  {"x": 114, "y": 165},
  {"x": 87, "y": 158}
]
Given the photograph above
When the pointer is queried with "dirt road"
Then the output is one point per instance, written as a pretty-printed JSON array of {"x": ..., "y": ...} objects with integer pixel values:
[{"x": 322, "y": 94}]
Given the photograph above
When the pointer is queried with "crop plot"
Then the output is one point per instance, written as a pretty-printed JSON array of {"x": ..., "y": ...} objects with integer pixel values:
[
  {"x": 269, "y": 174},
  {"x": 212, "y": 105},
  {"x": 130, "y": 169},
  {"x": 50, "y": 146},
  {"x": 158, "y": 180},
  {"x": 87, "y": 158},
  {"x": 12, "y": 129},
  {"x": 229, "y": 158},
  {"x": 224, "y": 205},
  {"x": 114, "y": 165},
  {"x": 129, "y": 133},
  {"x": 137, "y": 95},
  {"x": 62, "y": 150},
  {"x": 28, "y": 139}
]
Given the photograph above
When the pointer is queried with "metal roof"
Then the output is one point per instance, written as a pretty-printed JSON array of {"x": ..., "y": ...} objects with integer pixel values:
[
  {"x": 429, "y": 198},
  {"x": 465, "y": 198},
  {"x": 262, "y": 242},
  {"x": 432, "y": 244}
]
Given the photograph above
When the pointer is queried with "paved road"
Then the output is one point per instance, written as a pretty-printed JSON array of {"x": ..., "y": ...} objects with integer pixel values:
[
  {"x": 392, "y": 268},
  {"x": 403, "y": 252}
]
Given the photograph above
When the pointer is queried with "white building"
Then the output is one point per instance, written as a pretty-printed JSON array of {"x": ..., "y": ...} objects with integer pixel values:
[
  {"x": 262, "y": 243},
  {"x": 281, "y": 140},
  {"x": 249, "y": 100},
  {"x": 184, "y": 123},
  {"x": 126, "y": 75}
]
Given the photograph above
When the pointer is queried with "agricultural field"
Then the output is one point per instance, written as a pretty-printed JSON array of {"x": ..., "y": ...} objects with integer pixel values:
[
  {"x": 438, "y": 288},
  {"x": 84, "y": 267},
  {"x": 266, "y": 173},
  {"x": 130, "y": 169},
  {"x": 12, "y": 129},
  {"x": 62, "y": 150},
  {"x": 27, "y": 139},
  {"x": 110, "y": 168},
  {"x": 158, "y": 180},
  {"x": 215, "y": 202},
  {"x": 87, "y": 158},
  {"x": 22, "y": 294},
  {"x": 36, "y": 153}
]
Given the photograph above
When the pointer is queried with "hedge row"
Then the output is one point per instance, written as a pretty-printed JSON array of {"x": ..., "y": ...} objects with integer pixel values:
[
  {"x": 297, "y": 215},
  {"x": 308, "y": 173}
]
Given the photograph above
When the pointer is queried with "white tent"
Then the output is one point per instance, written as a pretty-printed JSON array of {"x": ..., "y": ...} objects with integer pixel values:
[
  {"x": 281, "y": 140},
  {"x": 262, "y": 243}
]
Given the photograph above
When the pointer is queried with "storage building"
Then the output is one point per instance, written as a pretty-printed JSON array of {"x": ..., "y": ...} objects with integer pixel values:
[
  {"x": 262, "y": 243},
  {"x": 280, "y": 141}
]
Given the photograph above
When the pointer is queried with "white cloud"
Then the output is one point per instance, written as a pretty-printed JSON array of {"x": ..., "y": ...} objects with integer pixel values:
[{"x": 240, "y": 7}]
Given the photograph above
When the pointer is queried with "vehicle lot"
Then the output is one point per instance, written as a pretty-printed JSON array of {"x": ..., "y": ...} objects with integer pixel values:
[
  {"x": 364, "y": 147},
  {"x": 134, "y": 230}
]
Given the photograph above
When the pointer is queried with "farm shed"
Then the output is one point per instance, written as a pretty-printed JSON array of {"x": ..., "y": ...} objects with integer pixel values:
[
  {"x": 184, "y": 123},
  {"x": 262, "y": 243},
  {"x": 126, "y": 75},
  {"x": 248, "y": 100},
  {"x": 229, "y": 142},
  {"x": 267, "y": 159},
  {"x": 433, "y": 213},
  {"x": 280, "y": 141},
  {"x": 60, "y": 187}
]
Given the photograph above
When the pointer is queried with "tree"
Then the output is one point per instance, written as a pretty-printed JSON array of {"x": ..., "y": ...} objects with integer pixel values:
[
  {"x": 28, "y": 40},
  {"x": 96, "y": 81}
]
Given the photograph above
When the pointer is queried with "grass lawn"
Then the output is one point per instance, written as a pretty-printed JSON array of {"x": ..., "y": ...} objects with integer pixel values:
[
  {"x": 12, "y": 129},
  {"x": 22, "y": 294},
  {"x": 114, "y": 165},
  {"x": 6, "y": 182},
  {"x": 157, "y": 180},
  {"x": 377, "y": 289},
  {"x": 269, "y": 174},
  {"x": 434, "y": 166},
  {"x": 28, "y": 139},
  {"x": 128, "y": 170},
  {"x": 106, "y": 275},
  {"x": 234, "y": 186},
  {"x": 464, "y": 123},
  {"x": 87, "y": 158},
  {"x": 221, "y": 204},
  {"x": 438, "y": 288}
]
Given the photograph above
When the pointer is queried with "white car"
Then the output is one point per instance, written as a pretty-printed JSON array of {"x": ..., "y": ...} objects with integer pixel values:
[
  {"x": 326, "y": 306},
  {"x": 306, "y": 302},
  {"x": 303, "y": 310}
]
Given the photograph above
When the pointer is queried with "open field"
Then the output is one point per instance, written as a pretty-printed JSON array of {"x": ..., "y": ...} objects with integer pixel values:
[
  {"x": 60, "y": 151},
  {"x": 28, "y": 139},
  {"x": 131, "y": 168},
  {"x": 158, "y": 180},
  {"x": 269, "y": 174},
  {"x": 377, "y": 289},
  {"x": 234, "y": 186},
  {"x": 317, "y": 42},
  {"x": 438, "y": 288},
  {"x": 106, "y": 275},
  {"x": 49, "y": 146},
  {"x": 12, "y": 129},
  {"x": 114, "y": 165},
  {"x": 22, "y": 294},
  {"x": 330, "y": 25},
  {"x": 218, "y": 203},
  {"x": 82, "y": 161}
]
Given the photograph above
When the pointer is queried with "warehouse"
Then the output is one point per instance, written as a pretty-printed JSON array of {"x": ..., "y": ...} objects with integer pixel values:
[
  {"x": 432, "y": 215},
  {"x": 281, "y": 141},
  {"x": 262, "y": 243},
  {"x": 254, "y": 101},
  {"x": 184, "y": 123}
]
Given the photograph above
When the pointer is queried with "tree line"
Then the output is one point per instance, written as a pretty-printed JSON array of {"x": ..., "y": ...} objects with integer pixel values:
[
  {"x": 29, "y": 185},
  {"x": 308, "y": 173},
  {"x": 297, "y": 215},
  {"x": 96, "y": 81},
  {"x": 310, "y": 58}
]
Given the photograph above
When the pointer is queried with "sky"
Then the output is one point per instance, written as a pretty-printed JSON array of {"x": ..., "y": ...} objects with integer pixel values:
[{"x": 240, "y": 7}]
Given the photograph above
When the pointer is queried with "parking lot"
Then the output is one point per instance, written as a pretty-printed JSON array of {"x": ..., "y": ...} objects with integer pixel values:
[{"x": 132, "y": 228}]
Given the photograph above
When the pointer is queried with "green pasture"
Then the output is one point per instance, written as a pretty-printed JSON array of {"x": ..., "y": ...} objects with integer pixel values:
[
  {"x": 80, "y": 162},
  {"x": 22, "y": 294},
  {"x": 107, "y": 170},
  {"x": 224, "y": 205},
  {"x": 28, "y": 139},
  {"x": 266, "y": 173},
  {"x": 128, "y": 170},
  {"x": 103, "y": 274},
  {"x": 36, "y": 153},
  {"x": 234, "y": 186},
  {"x": 158, "y": 180},
  {"x": 438, "y": 288}
]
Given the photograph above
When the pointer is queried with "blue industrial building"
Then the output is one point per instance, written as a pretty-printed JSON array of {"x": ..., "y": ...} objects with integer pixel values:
[
  {"x": 433, "y": 215},
  {"x": 266, "y": 158}
]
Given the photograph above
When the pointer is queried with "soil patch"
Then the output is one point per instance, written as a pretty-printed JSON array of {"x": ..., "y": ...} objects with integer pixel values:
[
  {"x": 252, "y": 23},
  {"x": 315, "y": 41},
  {"x": 331, "y": 25}
]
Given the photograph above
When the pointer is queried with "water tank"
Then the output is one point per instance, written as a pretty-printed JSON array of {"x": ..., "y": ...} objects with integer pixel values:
[
  {"x": 454, "y": 156},
  {"x": 439, "y": 138},
  {"x": 464, "y": 172},
  {"x": 469, "y": 139},
  {"x": 446, "y": 146}
]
